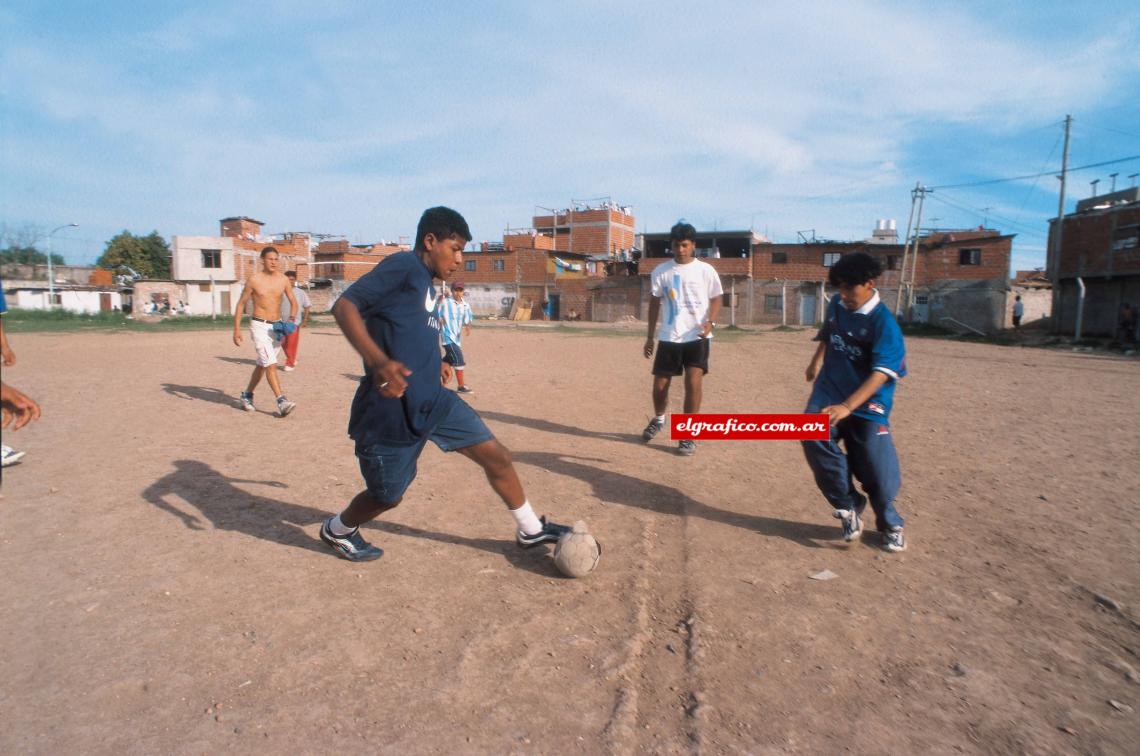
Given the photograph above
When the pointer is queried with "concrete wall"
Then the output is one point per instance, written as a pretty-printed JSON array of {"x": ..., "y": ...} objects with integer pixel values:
[
  {"x": 186, "y": 258},
  {"x": 1103, "y": 297},
  {"x": 88, "y": 302}
]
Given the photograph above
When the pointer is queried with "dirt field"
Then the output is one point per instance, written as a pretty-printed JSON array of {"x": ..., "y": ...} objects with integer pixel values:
[{"x": 164, "y": 590}]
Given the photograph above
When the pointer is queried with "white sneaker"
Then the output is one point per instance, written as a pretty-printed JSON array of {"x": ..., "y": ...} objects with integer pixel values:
[
  {"x": 284, "y": 406},
  {"x": 10, "y": 456},
  {"x": 288, "y": 368}
]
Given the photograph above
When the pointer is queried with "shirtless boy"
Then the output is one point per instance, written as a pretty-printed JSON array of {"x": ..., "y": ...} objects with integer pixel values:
[{"x": 266, "y": 287}]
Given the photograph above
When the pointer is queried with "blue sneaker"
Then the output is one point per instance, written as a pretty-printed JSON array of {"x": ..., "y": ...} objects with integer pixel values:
[{"x": 352, "y": 546}]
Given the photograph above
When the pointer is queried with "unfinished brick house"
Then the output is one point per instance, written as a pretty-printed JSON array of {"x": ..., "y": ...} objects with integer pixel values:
[{"x": 1100, "y": 254}]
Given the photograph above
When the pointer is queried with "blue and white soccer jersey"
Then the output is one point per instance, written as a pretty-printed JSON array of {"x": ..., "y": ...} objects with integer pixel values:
[{"x": 454, "y": 315}]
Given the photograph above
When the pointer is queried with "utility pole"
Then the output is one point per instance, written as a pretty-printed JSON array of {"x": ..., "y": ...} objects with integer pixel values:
[
  {"x": 906, "y": 247},
  {"x": 922, "y": 191},
  {"x": 1054, "y": 262}
]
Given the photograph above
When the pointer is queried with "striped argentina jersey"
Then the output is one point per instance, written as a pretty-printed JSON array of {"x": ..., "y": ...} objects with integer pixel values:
[{"x": 454, "y": 315}]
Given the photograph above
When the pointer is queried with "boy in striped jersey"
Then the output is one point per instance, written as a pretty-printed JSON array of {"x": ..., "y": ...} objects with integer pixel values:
[{"x": 455, "y": 319}]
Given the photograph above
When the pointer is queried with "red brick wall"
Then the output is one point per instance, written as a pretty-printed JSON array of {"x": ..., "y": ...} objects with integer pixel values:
[
  {"x": 573, "y": 296},
  {"x": 939, "y": 258},
  {"x": 291, "y": 252},
  {"x": 594, "y": 231},
  {"x": 240, "y": 227},
  {"x": 485, "y": 269},
  {"x": 1086, "y": 248}
]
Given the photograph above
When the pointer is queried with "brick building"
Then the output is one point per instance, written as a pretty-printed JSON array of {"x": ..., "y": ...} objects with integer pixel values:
[
  {"x": 1100, "y": 248},
  {"x": 588, "y": 229}
]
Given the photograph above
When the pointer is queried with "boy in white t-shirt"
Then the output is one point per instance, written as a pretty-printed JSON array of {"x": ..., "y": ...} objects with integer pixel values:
[{"x": 686, "y": 298}]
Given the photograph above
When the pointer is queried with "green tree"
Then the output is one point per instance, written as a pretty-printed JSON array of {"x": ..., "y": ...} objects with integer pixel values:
[
  {"x": 149, "y": 255},
  {"x": 21, "y": 255}
]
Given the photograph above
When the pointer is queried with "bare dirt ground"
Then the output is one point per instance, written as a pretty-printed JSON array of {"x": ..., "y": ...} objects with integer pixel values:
[{"x": 164, "y": 589}]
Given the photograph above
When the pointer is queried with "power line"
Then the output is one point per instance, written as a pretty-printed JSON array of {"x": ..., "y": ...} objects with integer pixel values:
[{"x": 1035, "y": 175}]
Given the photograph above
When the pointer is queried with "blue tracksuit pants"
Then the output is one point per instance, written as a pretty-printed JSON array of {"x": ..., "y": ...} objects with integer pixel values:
[{"x": 870, "y": 458}]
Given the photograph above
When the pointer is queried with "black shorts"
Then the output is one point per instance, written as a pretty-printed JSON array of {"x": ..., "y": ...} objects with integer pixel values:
[
  {"x": 1017, "y": 320},
  {"x": 672, "y": 358},
  {"x": 453, "y": 356}
]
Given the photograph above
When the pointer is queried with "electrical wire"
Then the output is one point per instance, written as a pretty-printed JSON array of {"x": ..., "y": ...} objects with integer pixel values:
[{"x": 1034, "y": 175}]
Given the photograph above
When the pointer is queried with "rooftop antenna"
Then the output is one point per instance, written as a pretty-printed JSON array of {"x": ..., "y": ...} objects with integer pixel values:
[
  {"x": 1113, "y": 177},
  {"x": 985, "y": 215},
  {"x": 1132, "y": 178},
  {"x": 1094, "y": 182}
]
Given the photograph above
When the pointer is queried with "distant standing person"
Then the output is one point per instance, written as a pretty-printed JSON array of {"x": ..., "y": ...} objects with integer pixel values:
[
  {"x": 455, "y": 322},
  {"x": 8, "y": 455},
  {"x": 691, "y": 292},
  {"x": 1127, "y": 324},
  {"x": 266, "y": 288},
  {"x": 1018, "y": 312},
  {"x": 300, "y": 318}
]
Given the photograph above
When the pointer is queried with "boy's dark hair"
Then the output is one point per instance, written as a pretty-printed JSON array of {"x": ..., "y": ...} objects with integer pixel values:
[
  {"x": 683, "y": 231},
  {"x": 290, "y": 274},
  {"x": 267, "y": 250},
  {"x": 444, "y": 223},
  {"x": 854, "y": 269}
]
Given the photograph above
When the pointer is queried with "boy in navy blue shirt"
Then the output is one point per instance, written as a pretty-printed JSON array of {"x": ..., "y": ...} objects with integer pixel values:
[
  {"x": 389, "y": 317},
  {"x": 859, "y": 359}
]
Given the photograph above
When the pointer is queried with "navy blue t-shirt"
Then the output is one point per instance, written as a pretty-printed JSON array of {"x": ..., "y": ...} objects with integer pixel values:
[
  {"x": 859, "y": 343},
  {"x": 397, "y": 301}
]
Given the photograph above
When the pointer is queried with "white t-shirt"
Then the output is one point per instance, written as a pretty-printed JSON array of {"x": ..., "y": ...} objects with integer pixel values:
[
  {"x": 303, "y": 301},
  {"x": 684, "y": 291}
]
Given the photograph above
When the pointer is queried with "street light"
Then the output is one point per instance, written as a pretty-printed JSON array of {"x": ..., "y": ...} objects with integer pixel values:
[{"x": 51, "y": 273}]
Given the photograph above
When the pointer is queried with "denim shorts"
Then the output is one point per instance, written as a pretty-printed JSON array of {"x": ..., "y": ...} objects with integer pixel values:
[{"x": 388, "y": 470}]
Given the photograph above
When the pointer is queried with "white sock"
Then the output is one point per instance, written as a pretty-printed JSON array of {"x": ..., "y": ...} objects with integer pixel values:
[
  {"x": 527, "y": 520},
  {"x": 338, "y": 528},
  {"x": 660, "y": 419}
]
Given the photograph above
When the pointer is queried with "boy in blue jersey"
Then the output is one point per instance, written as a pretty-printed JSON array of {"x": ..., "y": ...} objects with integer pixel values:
[
  {"x": 389, "y": 317},
  {"x": 455, "y": 322},
  {"x": 859, "y": 359}
]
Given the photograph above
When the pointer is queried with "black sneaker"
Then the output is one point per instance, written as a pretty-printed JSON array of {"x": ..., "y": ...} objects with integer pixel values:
[
  {"x": 852, "y": 523},
  {"x": 652, "y": 429},
  {"x": 465, "y": 390},
  {"x": 687, "y": 448},
  {"x": 352, "y": 547},
  {"x": 550, "y": 533}
]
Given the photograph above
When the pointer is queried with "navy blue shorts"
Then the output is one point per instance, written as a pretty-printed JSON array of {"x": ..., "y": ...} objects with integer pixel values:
[
  {"x": 453, "y": 355},
  {"x": 388, "y": 470}
]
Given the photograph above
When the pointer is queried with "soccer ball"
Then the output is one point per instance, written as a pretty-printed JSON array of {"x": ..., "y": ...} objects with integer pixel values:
[{"x": 577, "y": 553}]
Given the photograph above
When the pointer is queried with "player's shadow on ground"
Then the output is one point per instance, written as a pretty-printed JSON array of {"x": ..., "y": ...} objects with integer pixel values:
[
  {"x": 201, "y": 393},
  {"x": 629, "y": 491},
  {"x": 239, "y": 360},
  {"x": 569, "y": 430},
  {"x": 217, "y": 499}
]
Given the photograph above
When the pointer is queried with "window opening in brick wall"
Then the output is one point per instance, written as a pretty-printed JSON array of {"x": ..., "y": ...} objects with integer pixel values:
[
  {"x": 1126, "y": 238},
  {"x": 969, "y": 257},
  {"x": 921, "y": 299},
  {"x": 469, "y": 265},
  {"x": 779, "y": 258},
  {"x": 830, "y": 258},
  {"x": 498, "y": 265},
  {"x": 211, "y": 258},
  {"x": 892, "y": 262},
  {"x": 773, "y": 302}
]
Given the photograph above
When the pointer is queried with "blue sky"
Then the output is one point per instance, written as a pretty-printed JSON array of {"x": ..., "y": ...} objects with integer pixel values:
[{"x": 351, "y": 118}]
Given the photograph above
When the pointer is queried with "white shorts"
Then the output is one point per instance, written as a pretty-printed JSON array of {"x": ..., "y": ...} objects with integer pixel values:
[{"x": 264, "y": 342}]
